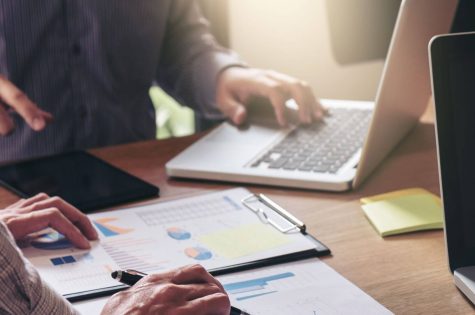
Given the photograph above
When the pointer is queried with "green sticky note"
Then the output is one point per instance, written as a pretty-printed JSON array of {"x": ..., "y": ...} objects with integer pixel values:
[
  {"x": 244, "y": 240},
  {"x": 407, "y": 213}
]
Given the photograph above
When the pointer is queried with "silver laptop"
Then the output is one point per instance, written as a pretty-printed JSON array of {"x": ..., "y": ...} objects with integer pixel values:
[
  {"x": 340, "y": 152},
  {"x": 453, "y": 82}
]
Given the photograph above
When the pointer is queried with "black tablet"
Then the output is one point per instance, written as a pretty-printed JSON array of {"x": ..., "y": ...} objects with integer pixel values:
[
  {"x": 453, "y": 79},
  {"x": 80, "y": 178}
]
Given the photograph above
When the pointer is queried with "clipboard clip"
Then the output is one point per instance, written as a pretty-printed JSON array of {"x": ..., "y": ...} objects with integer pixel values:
[{"x": 293, "y": 223}]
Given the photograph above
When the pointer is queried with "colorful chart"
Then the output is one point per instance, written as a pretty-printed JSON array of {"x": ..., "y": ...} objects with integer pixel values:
[
  {"x": 51, "y": 241},
  {"x": 198, "y": 253},
  {"x": 57, "y": 261},
  {"x": 255, "y": 287},
  {"x": 108, "y": 229},
  {"x": 178, "y": 233}
]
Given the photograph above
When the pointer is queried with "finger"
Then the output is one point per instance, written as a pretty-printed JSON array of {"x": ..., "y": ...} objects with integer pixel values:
[
  {"x": 274, "y": 92},
  {"x": 217, "y": 303},
  {"x": 24, "y": 203},
  {"x": 6, "y": 122},
  {"x": 184, "y": 292},
  {"x": 16, "y": 204},
  {"x": 194, "y": 274},
  {"x": 78, "y": 218},
  {"x": 196, "y": 291},
  {"x": 320, "y": 111},
  {"x": 309, "y": 106},
  {"x": 278, "y": 103},
  {"x": 47, "y": 116},
  {"x": 235, "y": 111},
  {"x": 25, "y": 224},
  {"x": 18, "y": 100}
]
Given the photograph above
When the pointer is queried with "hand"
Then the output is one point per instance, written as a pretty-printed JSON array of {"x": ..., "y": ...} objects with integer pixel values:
[
  {"x": 39, "y": 212},
  {"x": 188, "y": 290},
  {"x": 236, "y": 86},
  {"x": 13, "y": 99}
]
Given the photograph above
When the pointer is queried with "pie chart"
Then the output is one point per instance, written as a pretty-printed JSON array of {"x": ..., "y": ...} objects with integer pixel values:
[
  {"x": 51, "y": 241},
  {"x": 198, "y": 253},
  {"x": 178, "y": 233}
]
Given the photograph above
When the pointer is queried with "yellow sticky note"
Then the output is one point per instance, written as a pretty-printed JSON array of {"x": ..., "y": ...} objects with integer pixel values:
[
  {"x": 399, "y": 193},
  {"x": 405, "y": 213},
  {"x": 244, "y": 240}
]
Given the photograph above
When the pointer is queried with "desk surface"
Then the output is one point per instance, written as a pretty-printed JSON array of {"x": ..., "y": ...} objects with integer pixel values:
[{"x": 408, "y": 273}]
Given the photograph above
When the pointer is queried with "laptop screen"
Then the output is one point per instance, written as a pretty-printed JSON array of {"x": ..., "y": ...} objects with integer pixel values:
[{"x": 453, "y": 74}]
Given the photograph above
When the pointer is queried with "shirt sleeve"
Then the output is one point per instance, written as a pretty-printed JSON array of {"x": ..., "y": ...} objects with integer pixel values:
[
  {"x": 22, "y": 290},
  {"x": 191, "y": 59}
]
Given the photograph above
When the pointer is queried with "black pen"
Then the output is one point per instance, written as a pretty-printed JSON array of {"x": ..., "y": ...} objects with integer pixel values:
[{"x": 131, "y": 277}]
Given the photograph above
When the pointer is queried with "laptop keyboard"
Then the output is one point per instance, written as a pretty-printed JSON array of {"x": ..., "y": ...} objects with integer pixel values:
[{"x": 322, "y": 147}]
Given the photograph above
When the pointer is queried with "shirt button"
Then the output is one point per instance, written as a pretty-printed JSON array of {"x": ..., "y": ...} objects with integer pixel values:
[{"x": 76, "y": 49}]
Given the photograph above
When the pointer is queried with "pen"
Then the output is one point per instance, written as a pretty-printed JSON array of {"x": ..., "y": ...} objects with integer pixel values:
[{"x": 131, "y": 277}]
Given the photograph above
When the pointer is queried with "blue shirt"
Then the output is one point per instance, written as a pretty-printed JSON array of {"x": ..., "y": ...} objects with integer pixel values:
[{"x": 91, "y": 63}]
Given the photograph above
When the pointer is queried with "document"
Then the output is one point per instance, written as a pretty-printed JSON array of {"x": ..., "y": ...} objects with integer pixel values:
[
  {"x": 307, "y": 287},
  {"x": 160, "y": 237}
]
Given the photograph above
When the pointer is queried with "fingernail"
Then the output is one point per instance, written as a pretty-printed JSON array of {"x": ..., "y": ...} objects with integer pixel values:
[
  {"x": 38, "y": 123},
  {"x": 239, "y": 115},
  {"x": 85, "y": 244}
]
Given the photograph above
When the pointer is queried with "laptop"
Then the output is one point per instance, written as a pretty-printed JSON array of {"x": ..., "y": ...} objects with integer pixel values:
[
  {"x": 453, "y": 83},
  {"x": 340, "y": 152}
]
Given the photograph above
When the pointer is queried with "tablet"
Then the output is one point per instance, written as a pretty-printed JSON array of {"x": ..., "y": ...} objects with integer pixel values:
[
  {"x": 80, "y": 178},
  {"x": 453, "y": 83}
]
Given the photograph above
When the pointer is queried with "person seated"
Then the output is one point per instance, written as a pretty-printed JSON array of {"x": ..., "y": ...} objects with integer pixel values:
[{"x": 186, "y": 290}]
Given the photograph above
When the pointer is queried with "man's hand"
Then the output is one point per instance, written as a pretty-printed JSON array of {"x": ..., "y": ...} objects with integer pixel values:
[
  {"x": 188, "y": 290},
  {"x": 236, "y": 86},
  {"x": 13, "y": 99},
  {"x": 41, "y": 211}
]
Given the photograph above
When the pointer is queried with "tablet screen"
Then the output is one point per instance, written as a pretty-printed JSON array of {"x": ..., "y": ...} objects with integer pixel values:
[{"x": 78, "y": 177}]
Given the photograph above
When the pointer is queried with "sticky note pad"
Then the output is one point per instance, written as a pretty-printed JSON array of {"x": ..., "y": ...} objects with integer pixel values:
[
  {"x": 244, "y": 240},
  {"x": 406, "y": 212},
  {"x": 398, "y": 193}
]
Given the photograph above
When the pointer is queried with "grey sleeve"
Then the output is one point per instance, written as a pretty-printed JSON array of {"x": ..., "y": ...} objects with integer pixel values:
[
  {"x": 22, "y": 290},
  {"x": 191, "y": 60}
]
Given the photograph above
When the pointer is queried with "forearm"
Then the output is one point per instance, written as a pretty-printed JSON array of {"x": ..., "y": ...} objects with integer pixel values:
[
  {"x": 191, "y": 60},
  {"x": 23, "y": 291}
]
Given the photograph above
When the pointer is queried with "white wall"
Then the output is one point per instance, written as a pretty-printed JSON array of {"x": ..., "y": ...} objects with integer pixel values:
[{"x": 292, "y": 36}]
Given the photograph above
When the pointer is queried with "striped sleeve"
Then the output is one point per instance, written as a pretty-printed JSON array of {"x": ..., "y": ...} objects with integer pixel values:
[{"x": 23, "y": 291}]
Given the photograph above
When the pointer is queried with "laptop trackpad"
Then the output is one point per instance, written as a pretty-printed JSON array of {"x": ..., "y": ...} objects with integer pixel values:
[{"x": 251, "y": 136}]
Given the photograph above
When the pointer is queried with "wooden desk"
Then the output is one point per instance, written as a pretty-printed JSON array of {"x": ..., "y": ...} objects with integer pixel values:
[{"x": 408, "y": 274}]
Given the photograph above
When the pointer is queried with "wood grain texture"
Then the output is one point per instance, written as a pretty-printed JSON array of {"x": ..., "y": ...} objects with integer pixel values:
[{"x": 407, "y": 273}]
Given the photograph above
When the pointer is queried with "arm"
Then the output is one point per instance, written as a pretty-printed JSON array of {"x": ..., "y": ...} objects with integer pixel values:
[
  {"x": 23, "y": 291},
  {"x": 191, "y": 60},
  {"x": 200, "y": 73}
]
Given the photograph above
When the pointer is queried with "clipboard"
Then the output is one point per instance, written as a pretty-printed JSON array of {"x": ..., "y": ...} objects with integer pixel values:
[
  {"x": 246, "y": 207},
  {"x": 289, "y": 223}
]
